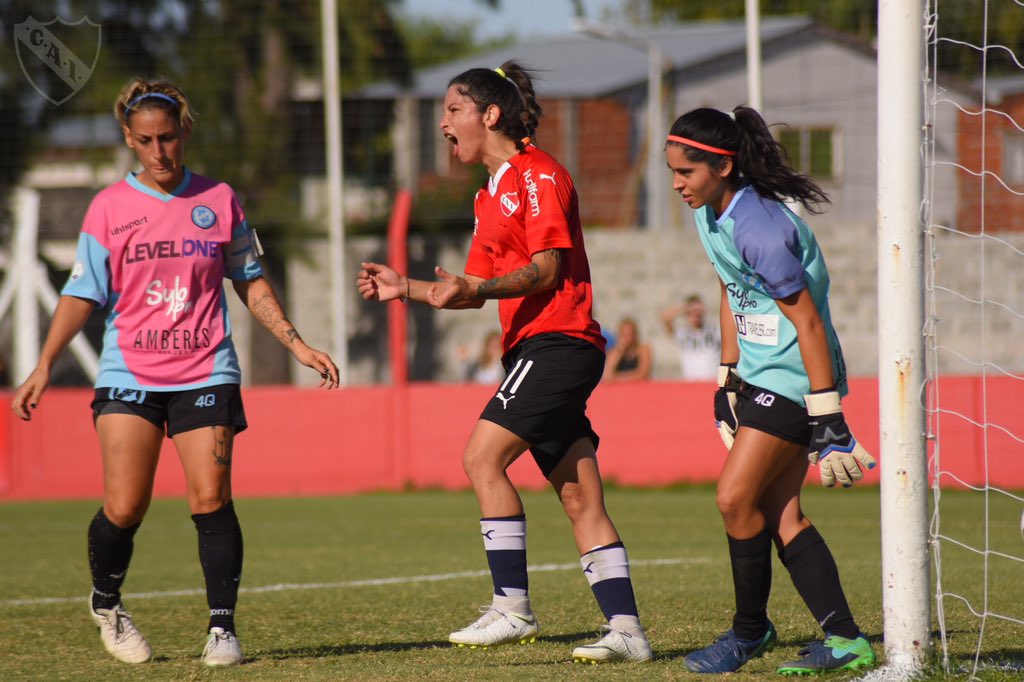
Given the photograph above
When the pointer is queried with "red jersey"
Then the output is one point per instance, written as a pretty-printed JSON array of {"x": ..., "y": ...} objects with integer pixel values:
[{"x": 531, "y": 205}]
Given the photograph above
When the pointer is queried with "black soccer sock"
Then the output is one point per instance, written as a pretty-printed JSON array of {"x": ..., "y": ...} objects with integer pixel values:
[
  {"x": 110, "y": 552},
  {"x": 505, "y": 545},
  {"x": 752, "y": 580},
  {"x": 607, "y": 571},
  {"x": 816, "y": 578},
  {"x": 220, "y": 553}
]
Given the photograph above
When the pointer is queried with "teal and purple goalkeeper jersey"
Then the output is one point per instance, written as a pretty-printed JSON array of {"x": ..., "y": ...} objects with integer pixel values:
[
  {"x": 158, "y": 261},
  {"x": 762, "y": 251}
]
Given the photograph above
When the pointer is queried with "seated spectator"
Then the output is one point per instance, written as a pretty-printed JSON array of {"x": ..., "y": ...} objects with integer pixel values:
[
  {"x": 629, "y": 360},
  {"x": 487, "y": 367}
]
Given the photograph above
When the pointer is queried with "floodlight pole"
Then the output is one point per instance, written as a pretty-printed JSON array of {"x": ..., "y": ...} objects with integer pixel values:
[
  {"x": 335, "y": 212},
  {"x": 655, "y": 179},
  {"x": 25, "y": 276},
  {"x": 752, "y": 18}
]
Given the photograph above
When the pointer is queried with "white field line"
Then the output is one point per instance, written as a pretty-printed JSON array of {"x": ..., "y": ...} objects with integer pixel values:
[{"x": 367, "y": 582}]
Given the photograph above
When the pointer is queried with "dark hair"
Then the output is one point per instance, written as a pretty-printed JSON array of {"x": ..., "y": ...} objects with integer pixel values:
[
  {"x": 510, "y": 88},
  {"x": 760, "y": 159}
]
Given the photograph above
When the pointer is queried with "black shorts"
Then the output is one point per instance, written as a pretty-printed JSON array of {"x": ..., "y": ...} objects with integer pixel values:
[
  {"x": 543, "y": 399},
  {"x": 763, "y": 410},
  {"x": 176, "y": 411}
]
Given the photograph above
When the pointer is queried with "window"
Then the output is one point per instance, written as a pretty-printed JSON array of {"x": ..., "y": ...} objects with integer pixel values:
[
  {"x": 1013, "y": 158},
  {"x": 811, "y": 151}
]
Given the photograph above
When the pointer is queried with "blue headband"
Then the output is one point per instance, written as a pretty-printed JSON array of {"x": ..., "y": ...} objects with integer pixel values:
[{"x": 159, "y": 95}]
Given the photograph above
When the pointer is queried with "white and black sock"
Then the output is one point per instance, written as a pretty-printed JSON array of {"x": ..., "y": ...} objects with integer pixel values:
[
  {"x": 607, "y": 571},
  {"x": 505, "y": 544}
]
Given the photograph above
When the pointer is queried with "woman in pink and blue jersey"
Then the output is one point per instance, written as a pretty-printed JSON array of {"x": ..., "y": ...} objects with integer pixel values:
[{"x": 154, "y": 250}]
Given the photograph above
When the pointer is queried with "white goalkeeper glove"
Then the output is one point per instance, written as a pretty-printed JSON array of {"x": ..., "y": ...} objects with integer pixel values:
[
  {"x": 725, "y": 404},
  {"x": 833, "y": 448}
]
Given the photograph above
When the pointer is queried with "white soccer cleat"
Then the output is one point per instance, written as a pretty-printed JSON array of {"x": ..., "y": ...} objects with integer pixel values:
[
  {"x": 222, "y": 648},
  {"x": 119, "y": 635},
  {"x": 497, "y": 627},
  {"x": 615, "y": 645}
]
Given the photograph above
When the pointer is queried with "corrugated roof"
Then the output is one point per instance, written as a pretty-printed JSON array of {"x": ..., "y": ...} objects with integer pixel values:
[{"x": 581, "y": 65}]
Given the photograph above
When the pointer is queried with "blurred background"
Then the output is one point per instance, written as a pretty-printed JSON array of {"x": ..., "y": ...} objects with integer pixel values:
[{"x": 254, "y": 72}]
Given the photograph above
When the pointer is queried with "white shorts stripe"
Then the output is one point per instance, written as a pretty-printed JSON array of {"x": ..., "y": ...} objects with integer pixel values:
[
  {"x": 519, "y": 379},
  {"x": 510, "y": 375}
]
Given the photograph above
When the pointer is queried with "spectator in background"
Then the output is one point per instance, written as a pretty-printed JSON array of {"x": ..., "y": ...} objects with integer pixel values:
[
  {"x": 486, "y": 368},
  {"x": 630, "y": 360},
  {"x": 700, "y": 344}
]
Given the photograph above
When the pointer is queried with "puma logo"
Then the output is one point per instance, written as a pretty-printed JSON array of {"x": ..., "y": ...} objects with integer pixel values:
[
  {"x": 504, "y": 400},
  {"x": 545, "y": 176}
]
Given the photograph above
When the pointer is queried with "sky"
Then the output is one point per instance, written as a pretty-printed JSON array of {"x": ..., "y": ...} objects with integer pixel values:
[{"x": 525, "y": 18}]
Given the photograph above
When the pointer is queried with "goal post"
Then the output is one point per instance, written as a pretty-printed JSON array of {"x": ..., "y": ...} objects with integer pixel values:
[{"x": 901, "y": 349}]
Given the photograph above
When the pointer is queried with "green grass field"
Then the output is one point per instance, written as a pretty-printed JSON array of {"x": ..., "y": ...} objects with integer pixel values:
[{"x": 367, "y": 588}]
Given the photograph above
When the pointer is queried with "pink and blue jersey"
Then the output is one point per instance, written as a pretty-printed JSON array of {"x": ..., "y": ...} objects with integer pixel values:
[{"x": 158, "y": 261}]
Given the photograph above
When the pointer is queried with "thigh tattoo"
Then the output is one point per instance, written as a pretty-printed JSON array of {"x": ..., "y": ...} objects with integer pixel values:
[{"x": 223, "y": 445}]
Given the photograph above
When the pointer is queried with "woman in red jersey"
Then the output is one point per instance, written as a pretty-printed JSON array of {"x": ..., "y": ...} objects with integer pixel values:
[{"x": 527, "y": 252}]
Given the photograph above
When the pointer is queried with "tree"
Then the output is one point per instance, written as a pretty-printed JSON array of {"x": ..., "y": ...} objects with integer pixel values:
[
  {"x": 134, "y": 35},
  {"x": 960, "y": 20}
]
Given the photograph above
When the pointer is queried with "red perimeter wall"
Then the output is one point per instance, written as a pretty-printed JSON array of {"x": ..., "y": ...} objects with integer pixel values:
[{"x": 309, "y": 442}]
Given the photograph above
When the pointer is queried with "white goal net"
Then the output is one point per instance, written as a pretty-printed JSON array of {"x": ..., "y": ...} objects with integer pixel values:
[{"x": 974, "y": 326}]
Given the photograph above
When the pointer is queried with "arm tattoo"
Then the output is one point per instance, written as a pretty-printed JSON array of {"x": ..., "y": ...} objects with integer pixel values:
[
  {"x": 555, "y": 256},
  {"x": 520, "y": 281},
  {"x": 268, "y": 311}
]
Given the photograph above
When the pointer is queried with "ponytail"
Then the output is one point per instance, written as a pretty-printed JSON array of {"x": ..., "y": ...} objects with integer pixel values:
[
  {"x": 758, "y": 157},
  {"x": 510, "y": 88}
]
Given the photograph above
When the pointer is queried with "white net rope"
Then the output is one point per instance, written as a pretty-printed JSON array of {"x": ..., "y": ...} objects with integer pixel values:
[{"x": 974, "y": 281}]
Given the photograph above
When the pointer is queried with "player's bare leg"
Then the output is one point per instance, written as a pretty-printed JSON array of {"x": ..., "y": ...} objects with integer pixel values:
[
  {"x": 508, "y": 618},
  {"x": 577, "y": 481},
  {"x": 130, "y": 447}
]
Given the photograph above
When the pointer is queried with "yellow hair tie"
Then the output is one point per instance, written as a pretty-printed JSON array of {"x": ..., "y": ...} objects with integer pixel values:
[{"x": 500, "y": 72}]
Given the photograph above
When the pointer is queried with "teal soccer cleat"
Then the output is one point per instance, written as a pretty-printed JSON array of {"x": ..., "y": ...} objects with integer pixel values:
[{"x": 835, "y": 653}]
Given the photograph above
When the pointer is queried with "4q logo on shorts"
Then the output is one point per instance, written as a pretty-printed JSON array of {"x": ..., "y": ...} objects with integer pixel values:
[{"x": 57, "y": 57}]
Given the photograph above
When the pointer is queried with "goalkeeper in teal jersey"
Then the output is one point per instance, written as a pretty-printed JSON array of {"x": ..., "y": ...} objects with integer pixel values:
[{"x": 781, "y": 378}]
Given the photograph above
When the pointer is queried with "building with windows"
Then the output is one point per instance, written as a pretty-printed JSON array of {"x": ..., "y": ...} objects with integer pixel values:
[
  {"x": 993, "y": 142},
  {"x": 819, "y": 87}
]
